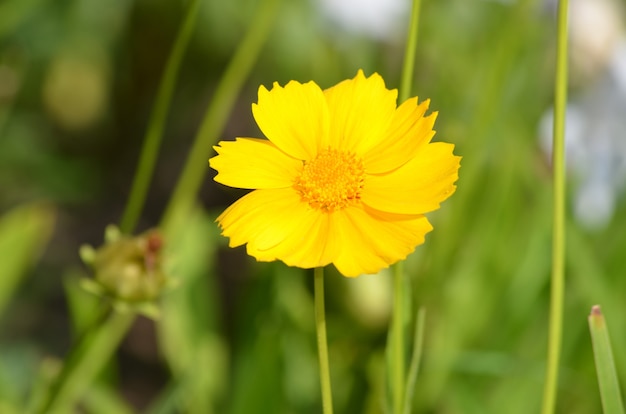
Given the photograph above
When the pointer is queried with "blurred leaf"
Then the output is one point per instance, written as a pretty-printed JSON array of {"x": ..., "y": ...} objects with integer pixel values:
[
  {"x": 196, "y": 355},
  {"x": 30, "y": 168},
  {"x": 18, "y": 367},
  {"x": 8, "y": 408},
  {"x": 24, "y": 231},
  {"x": 13, "y": 13},
  {"x": 257, "y": 387},
  {"x": 101, "y": 399}
]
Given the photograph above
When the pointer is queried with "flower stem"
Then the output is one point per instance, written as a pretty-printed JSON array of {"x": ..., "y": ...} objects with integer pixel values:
[
  {"x": 398, "y": 367},
  {"x": 322, "y": 344},
  {"x": 558, "y": 230},
  {"x": 398, "y": 372},
  {"x": 408, "y": 67},
  {"x": 154, "y": 132},
  {"x": 86, "y": 360},
  {"x": 217, "y": 113}
]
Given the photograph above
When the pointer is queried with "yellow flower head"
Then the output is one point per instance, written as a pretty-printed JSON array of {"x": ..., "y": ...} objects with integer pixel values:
[{"x": 345, "y": 176}]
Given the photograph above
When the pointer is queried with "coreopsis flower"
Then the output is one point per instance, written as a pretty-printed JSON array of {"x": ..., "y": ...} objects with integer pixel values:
[{"x": 344, "y": 176}]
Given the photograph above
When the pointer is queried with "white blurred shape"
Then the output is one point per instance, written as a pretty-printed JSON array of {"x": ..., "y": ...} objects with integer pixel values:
[
  {"x": 377, "y": 18},
  {"x": 575, "y": 121},
  {"x": 595, "y": 126},
  {"x": 618, "y": 65},
  {"x": 370, "y": 298},
  {"x": 594, "y": 204},
  {"x": 595, "y": 150},
  {"x": 595, "y": 29}
]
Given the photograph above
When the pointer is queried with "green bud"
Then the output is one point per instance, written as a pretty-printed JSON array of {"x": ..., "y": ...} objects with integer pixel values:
[{"x": 128, "y": 268}]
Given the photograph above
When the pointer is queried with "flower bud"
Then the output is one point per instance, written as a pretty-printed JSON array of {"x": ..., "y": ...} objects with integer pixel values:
[{"x": 128, "y": 268}]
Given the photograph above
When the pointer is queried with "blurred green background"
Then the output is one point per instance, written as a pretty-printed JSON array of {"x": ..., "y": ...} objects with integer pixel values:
[{"x": 78, "y": 79}]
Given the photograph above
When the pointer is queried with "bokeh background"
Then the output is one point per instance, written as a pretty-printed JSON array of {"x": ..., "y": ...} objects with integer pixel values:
[{"x": 78, "y": 79}]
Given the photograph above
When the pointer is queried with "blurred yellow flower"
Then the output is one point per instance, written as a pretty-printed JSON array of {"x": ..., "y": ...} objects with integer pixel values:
[{"x": 345, "y": 176}]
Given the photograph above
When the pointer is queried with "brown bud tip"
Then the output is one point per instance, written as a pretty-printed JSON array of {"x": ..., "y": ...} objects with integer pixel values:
[
  {"x": 595, "y": 310},
  {"x": 155, "y": 242}
]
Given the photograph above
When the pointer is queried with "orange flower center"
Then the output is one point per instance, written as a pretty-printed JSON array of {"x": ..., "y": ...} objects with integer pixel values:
[{"x": 331, "y": 181}]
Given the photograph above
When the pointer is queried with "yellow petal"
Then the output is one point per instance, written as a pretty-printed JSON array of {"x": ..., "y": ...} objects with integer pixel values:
[
  {"x": 373, "y": 240},
  {"x": 263, "y": 218},
  {"x": 361, "y": 111},
  {"x": 309, "y": 245},
  {"x": 254, "y": 163},
  {"x": 295, "y": 117},
  {"x": 419, "y": 186},
  {"x": 408, "y": 131}
]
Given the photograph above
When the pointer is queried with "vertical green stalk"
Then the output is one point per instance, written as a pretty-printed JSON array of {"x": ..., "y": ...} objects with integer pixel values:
[
  {"x": 217, "y": 113},
  {"x": 398, "y": 371},
  {"x": 416, "y": 357},
  {"x": 558, "y": 231},
  {"x": 398, "y": 363},
  {"x": 154, "y": 132},
  {"x": 408, "y": 67},
  {"x": 86, "y": 360},
  {"x": 322, "y": 343},
  {"x": 605, "y": 364}
]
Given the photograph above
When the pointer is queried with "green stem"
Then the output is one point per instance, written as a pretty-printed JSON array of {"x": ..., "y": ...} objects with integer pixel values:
[
  {"x": 154, "y": 133},
  {"x": 87, "y": 359},
  {"x": 408, "y": 67},
  {"x": 217, "y": 113},
  {"x": 398, "y": 368},
  {"x": 558, "y": 236},
  {"x": 416, "y": 357},
  {"x": 322, "y": 344},
  {"x": 398, "y": 372}
]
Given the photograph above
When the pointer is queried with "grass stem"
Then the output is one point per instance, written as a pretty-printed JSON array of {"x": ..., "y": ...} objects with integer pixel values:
[
  {"x": 408, "y": 67},
  {"x": 154, "y": 132},
  {"x": 87, "y": 359},
  {"x": 558, "y": 230},
  {"x": 398, "y": 371},
  {"x": 398, "y": 361},
  {"x": 218, "y": 111}
]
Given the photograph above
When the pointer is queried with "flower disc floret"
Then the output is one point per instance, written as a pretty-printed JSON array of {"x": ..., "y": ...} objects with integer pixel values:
[{"x": 331, "y": 181}]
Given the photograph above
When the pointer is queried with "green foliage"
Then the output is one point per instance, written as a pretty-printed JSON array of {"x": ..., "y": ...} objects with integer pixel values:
[{"x": 236, "y": 336}]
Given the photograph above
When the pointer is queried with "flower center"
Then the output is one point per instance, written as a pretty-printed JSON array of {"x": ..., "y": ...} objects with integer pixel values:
[{"x": 331, "y": 181}]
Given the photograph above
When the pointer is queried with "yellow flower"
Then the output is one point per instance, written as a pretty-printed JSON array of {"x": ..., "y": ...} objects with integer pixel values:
[{"x": 345, "y": 176}]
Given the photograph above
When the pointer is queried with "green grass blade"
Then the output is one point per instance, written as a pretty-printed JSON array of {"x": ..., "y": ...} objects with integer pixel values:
[
  {"x": 416, "y": 357},
  {"x": 86, "y": 360},
  {"x": 410, "y": 51},
  {"x": 218, "y": 111},
  {"x": 605, "y": 365},
  {"x": 154, "y": 133}
]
